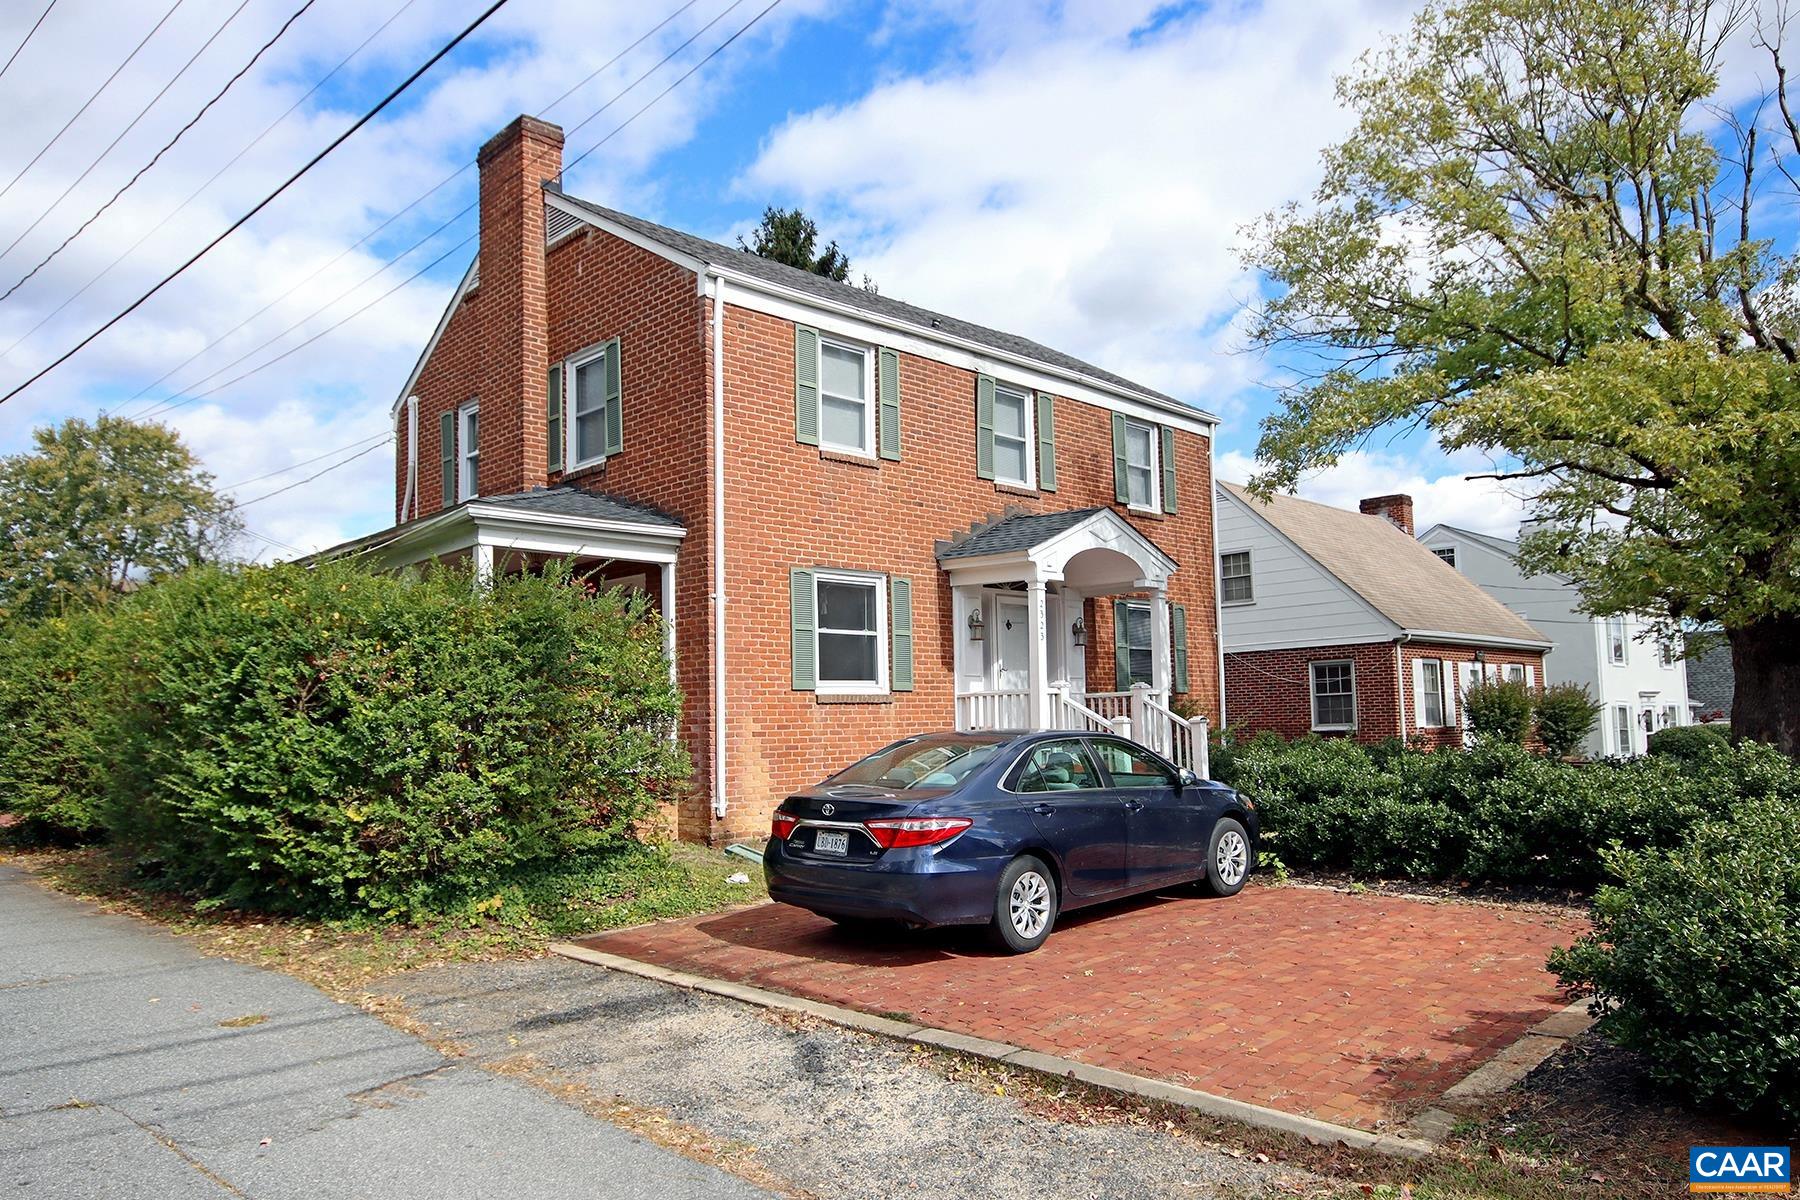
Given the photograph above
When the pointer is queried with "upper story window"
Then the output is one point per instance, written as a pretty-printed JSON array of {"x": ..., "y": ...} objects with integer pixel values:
[
  {"x": 1142, "y": 469},
  {"x": 846, "y": 414},
  {"x": 1665, "y": 652},
  {"x": 595, "y": 426},
  {"x": 1012, "y": 436},
  {"x": 1235, "y": 586},
  {"x": 1447, "y": 553},
  {"x": 1616, "y": 641},
  {"x": 468, "y": 475},
  {"x": 1333, "y": 695}
]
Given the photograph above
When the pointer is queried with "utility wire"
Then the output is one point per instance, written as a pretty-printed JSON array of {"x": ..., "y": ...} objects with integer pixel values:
[
  {"x": 157, "y": 157},
  {"x": 314, "y": 161},
  {"x": 90, "y": 100},
  {"x": 328, "y": 470},
  {"x": 229, "y": 163},
  {"x": 164, "y": 404},
  {"x": 305, "y": 462},
  {"x": 11, "y": 58}
]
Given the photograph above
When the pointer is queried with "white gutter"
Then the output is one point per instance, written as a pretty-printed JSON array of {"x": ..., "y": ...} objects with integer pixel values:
[
  {"x": 409, "y": 497},
  {"x": 717, "y": 535}
]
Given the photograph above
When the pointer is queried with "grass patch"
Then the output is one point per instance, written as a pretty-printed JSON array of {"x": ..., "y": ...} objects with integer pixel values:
[{"x": 524, "y": 909}]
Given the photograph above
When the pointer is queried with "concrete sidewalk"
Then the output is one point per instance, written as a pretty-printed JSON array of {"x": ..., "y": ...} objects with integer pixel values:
[{"x": 117, "y": 1079}]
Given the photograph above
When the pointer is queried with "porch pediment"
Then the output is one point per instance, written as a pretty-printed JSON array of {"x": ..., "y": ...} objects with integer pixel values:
[{"x": 1093, "y": 549}]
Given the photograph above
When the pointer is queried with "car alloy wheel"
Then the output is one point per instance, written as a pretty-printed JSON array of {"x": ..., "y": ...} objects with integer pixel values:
[
  {"x": 1232, "y": 859},
  {"x": 1030, "y": 904}
]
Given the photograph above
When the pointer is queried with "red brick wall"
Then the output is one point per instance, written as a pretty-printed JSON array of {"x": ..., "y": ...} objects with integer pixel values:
[
  {"x": 789, "y": 505},
  {"x": 1270, "y": 689}
]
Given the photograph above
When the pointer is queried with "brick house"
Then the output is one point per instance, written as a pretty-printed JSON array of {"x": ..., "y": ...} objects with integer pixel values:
[
  {"x": 859, "y": 519},
  {"x": 1342, "y": 624}
]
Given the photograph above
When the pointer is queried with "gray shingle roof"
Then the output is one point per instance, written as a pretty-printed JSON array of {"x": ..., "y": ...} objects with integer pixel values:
[
  {"x": 1711, "y": 680},
  {"x": 715, "y": 254},
  {"x": 1398, "y": 576},
  {"x": 1019, "y": 532},
  {"x": 574, "y": 502}
]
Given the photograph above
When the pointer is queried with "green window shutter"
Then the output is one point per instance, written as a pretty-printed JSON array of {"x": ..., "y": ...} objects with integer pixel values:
[
  {"x": 1121, "y": 648},
  {"x": 447, "y": 455},
  {"x": 1168, "y": 469},
  {"x": 553, "y": 419},
  {"x": 1046, "y": 423},
  {"x": 900, "y": 632},
  {"x": 888, "y": 386},
  {"x": 984, "y": 427},
  {"x": 1178, "y": 630},
  {"x": 806, "y": 385},
  {"x": 1121, "y": 475},
  {"x": 615, "y": 416},
  {"x": 800, "y": 616}
]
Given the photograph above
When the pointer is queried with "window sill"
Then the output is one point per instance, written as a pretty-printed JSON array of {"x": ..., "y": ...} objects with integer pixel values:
[
  {"x": 1154, "y": 514},
  {"x": 1334, "y": 729},
  {"x": 1015, "y": 489},
  {"x": 1236, "y": 603},
  {"x": 850, "y": 458},
  {"x": 854, "y": 697}
]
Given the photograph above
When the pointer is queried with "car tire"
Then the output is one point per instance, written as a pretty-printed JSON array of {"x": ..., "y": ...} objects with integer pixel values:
[
  {"x": 1227, "y": 857},
  {"x": 1025, "y": 905}
]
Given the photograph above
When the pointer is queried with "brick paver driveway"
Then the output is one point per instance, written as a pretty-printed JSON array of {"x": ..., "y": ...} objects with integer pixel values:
[{"x": 1354, "y": 1009}]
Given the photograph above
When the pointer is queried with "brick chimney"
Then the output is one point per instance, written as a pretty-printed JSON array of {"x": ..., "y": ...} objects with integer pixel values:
[
  {"x": 515, "y": 322},
  {"x": 1397, "y": 508}
]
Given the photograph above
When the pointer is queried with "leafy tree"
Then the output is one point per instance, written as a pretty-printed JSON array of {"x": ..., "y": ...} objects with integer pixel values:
[
  {"x": 790, "y": 236},
  {"x": 98, "y": 506},
  {"x": 1499, "y": 711},
  {"x": 1566, "y": 713},
  {"x": 1545, "y": 239}
]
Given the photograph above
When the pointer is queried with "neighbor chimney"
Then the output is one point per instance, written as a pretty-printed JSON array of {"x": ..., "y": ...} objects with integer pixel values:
[
  {"x": 1397, "y": 509},
  {"x": 515, "y": 321}
]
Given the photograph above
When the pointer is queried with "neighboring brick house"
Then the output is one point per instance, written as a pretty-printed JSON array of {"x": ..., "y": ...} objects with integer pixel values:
[
  {"x": 860, "y": 519},
  {"x": 1341, "y": 624}
]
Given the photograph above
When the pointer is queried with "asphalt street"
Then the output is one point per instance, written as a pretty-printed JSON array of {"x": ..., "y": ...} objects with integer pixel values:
[{"x": 133, "y": 1066}]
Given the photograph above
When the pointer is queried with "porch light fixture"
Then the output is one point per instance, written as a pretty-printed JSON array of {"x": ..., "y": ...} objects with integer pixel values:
[
  {"x": 1078, "y": 632},
  {"x": 1481, "y": 656},
  {"x": 977, "y": 626}
]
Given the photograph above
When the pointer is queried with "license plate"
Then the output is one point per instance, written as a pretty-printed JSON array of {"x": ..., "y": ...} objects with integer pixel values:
[{"x": 828, "y": 841}]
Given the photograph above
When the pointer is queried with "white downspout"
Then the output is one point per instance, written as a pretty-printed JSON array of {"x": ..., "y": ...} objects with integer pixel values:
[
  {"x": 719, "y": 803},
  {"x": 1218, "y": 600},
  {"x": 1401, "y": 681},
  {"x": 409, "y": 496}
]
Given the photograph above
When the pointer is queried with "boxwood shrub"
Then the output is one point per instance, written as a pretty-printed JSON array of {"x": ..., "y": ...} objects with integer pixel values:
[{"x": 1695, "y": 959}]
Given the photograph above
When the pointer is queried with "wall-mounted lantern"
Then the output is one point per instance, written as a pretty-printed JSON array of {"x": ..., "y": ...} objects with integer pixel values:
[
  {"x": 1078, "y": 632},
  {"x": 977, "y": 626}
]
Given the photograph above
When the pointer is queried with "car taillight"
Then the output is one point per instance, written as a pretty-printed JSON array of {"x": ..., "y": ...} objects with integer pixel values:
[
  {"x": 891, "y": 832},
  {"x": 782, "y": 826}
]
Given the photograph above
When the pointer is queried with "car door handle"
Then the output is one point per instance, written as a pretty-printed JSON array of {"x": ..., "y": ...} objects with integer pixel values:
[
  {"x": 1134, "y": 806},
  {"x": 1042, "y": 810}
]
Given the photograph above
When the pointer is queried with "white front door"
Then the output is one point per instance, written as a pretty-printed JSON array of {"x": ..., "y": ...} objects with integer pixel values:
[{"x": 1012, "y": 646}]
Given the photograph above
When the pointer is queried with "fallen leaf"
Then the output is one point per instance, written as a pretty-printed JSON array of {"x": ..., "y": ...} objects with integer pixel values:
[{"x": 243, "y": 1022}]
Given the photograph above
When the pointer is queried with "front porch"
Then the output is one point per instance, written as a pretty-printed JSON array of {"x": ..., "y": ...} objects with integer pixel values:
[{"x": 1025, "y": 591}]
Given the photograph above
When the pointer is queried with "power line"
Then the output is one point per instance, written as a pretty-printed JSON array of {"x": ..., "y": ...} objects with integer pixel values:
[
  {"x": 164, "y": 405},
  {"x": 66, "y": 355},
  {"x": 11, "y": 58},
  {"x": 229, "y": 163},
  {"x": 90, "y": 100},
  {"x": 305, "y": 462},
  {"x": 328, "y": 470},
  {"x": 166, "y": 146}
]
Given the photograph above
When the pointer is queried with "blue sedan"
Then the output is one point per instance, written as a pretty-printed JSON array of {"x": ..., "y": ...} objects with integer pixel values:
[{"x": 1006, "y": 830}]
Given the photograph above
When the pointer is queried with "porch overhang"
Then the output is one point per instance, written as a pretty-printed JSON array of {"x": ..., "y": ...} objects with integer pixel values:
[{"x": 1095, "y": 550}]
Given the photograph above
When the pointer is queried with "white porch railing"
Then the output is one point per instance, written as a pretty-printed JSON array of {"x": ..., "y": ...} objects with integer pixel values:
[
  {"x": 1066, "y": 712},
  {"x": 1179, "y": 739},
  {"x": 1111, "y": 705},
  {"x": 1139, "y": 713},
  {"x": 994, "y": 710}
]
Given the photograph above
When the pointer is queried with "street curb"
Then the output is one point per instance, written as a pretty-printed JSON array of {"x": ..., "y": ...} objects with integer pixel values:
[{"x": 1308, "y": 1128}]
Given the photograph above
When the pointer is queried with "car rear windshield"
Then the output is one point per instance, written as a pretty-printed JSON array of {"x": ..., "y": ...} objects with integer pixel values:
[{"x": 940, "y": 762}]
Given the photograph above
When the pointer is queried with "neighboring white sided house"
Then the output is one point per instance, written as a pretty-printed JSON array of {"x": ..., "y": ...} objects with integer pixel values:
[{"x": 1641, "y": 682}]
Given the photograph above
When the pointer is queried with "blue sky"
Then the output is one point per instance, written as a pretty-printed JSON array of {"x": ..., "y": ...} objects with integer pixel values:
[{"x": 1077, "y": 172}]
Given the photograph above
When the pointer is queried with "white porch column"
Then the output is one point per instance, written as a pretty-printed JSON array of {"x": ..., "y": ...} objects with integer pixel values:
[
  {"x": 1039, "y": 654},
  {"x": 668, "y": 616},
  {"x": 484, "y": 564},
  {"x": 1159, "y": 644}
]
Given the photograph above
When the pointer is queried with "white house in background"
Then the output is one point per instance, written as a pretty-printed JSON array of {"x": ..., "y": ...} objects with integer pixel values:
[{"x": 1641, "y": 682}]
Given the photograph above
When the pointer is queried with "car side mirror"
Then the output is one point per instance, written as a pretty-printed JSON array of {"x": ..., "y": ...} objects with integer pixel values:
[{"x": 1189, "y": 779}]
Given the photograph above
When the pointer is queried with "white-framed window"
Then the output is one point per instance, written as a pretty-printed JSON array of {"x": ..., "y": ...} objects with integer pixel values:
[
  {"x": 1616, "y": 641},
  {"x": 1141, "y": 661},
  {"x": 587, "y": 402},
  {"x": 1432, "y": 709},
  {"x": 1235, "y": 585},
  {"x": 468, "y": 451},
  {"x": 1622, "y": 736},
  {"x": 850, "y": 628},
  {"x": 1333, "y": 695},
  {"x": 1143, "y": 471},
  {"x": 1013, "y": 459},
  {"x": 846, "y": 397},
  {"x": 1665, "y": 653},
  {"x": 1515, "y": 672},
  {"x": 1671, "y": 715},
  {"x": 1447, "y": 553}
]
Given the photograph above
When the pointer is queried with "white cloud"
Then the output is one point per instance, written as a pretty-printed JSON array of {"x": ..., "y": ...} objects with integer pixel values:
[{"x": 1444, "y": 490}]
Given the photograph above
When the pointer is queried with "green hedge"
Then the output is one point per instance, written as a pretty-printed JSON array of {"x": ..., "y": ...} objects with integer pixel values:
[
  {"x": 55, "y": 686},
  {"x": 1493, "y": 813},
  {"x": 1688, "y": 741},
  {"x": 1695, "y": 956},
  {"x": 336, "y": 741}
]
